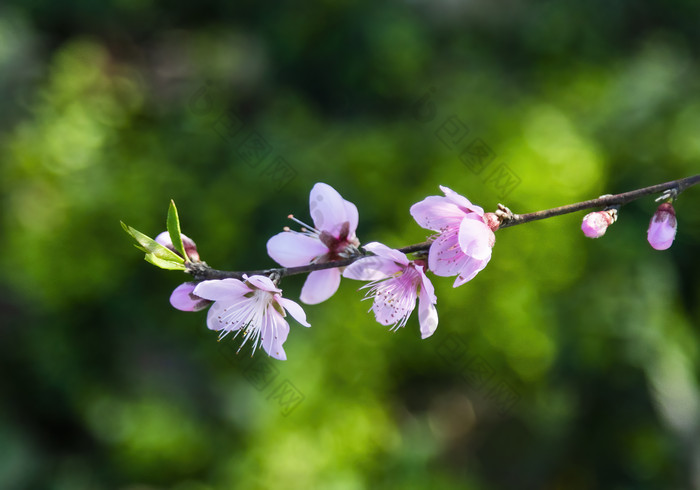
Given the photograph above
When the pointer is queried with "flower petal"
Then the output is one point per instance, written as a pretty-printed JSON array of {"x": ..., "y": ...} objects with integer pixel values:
[
  {"x": 353, "y": 218},
  {"x": 660, "y": 236},
  {"x": 291, "y": 249},
  {"x": 426, "y": 284},
  {"x": 294, "y": 309},
  {"x": 437, "y": 213},
  {"x": 277, "y": 352},
  {"x": 389, "y": 253},
  {"x": 388, "y": 311},
  {"x": 263, "y": 282},
  {"x": 328, "y": 209},
  {"x": 184, "y": 299},
  {"x": 385, "y": 263},
  {"x": 445, "y": 256},
  {"x": 274, "y": 332},
  {"x": 469, "y": 270},
  {"x": 371, "y": 269},
  {"x": 461, "y": 201},
  {"x": 427, "y": 314},
  {"x": 319, "y": 286},
  {"x": 221, "y": 289},
  {"x": 475, "y": 239},
  {"x": 215, "y": 317}
]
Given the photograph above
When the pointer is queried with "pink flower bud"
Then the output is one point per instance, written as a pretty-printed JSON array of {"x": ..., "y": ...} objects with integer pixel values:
[
  {"x": 190, "y": 246},
  {"x": 184, "y": 299},
  {"x": 662, "y": 227},
  {"x": 595, "y": 224},
  {"x": 492, "y": 221}
]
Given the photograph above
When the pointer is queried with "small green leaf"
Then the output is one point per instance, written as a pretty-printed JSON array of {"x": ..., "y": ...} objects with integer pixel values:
[
  {"x": 174, "y": 230},
  {"x": 151, "y": 247},
  {"x": 164, "y": 264}
]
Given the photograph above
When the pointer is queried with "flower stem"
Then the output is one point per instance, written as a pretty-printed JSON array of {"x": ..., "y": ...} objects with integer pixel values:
[{"x": 200, "y": 271}]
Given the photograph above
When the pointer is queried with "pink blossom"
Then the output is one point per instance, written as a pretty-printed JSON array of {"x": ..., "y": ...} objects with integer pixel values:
[
  {"x": 463, "y": 246},
  {"x": 184, "y": 299},
  {"x": 662, "y": 227},
  {"x": 331, "y": 238},
  {"x": 190, "y": 246},
  {"x": 594, "y": 225},
  {"x": 254, "y": 307},
  {"x": 396, "y": 283}
]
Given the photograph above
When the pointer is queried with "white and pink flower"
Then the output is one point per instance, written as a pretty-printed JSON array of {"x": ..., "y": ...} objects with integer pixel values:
[
  {"x": 463, "y": 246},
  {"x": 396, "y": 284},
  {"x": 254, "y": 307},
  {"x": 331, "y": 238},
  {"x": 662, "y": 227}
]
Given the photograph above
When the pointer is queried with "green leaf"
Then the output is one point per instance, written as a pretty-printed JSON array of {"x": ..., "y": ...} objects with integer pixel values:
[
  {"x": 164, "y": 264},
  {"x": 151, "y": 247},
  {"x": 174, "y": 230}
]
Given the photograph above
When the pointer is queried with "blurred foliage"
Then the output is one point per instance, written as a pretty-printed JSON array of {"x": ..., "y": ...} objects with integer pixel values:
[{"x": 111, "y": 109}]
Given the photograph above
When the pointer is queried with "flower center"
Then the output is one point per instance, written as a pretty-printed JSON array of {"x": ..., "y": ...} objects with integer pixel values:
[
  {"x": 340, "y": 247},
  {"x": 397, "y": 295},
  {"x": 247, "y": 316}
]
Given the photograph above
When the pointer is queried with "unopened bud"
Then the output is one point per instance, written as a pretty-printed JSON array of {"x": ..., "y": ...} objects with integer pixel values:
[
  {"x": 190, "y": 246},
  {"x": 595, "y": 224},
  {"x": 662, "y": 227},
  {"x": 492, "y": 221},
  {"x": 184, "y": 299}
]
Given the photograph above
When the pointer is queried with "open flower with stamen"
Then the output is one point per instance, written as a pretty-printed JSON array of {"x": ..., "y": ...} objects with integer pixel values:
[
  {"x": 396, "y": 284},
  {"x": 463, "y": 246},
  {"x": 331, "y": 238},
  {"x": 254, "y": 307}
]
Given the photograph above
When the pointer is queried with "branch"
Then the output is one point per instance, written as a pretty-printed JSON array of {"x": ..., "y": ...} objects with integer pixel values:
[
  {"x": 612, "y": 200},
  {"x": 200, "y": 271}
]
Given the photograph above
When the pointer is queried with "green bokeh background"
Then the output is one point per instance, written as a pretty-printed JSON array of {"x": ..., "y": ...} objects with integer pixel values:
[{"x": 567, "y": 363}]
